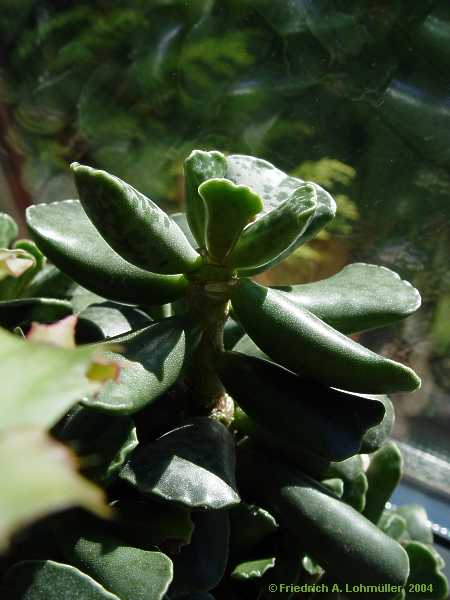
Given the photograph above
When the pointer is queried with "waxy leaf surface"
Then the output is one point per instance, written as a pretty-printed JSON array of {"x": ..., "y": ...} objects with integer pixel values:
[
  {"x": 151, "y": 361},
  {"x": 67, "y": 237},
  {"x": 358, "y": 298},
  {"x": 200, "y": 565},
  {"x": 134, "y": 226},
  {"x": 300, "y": 341},
  {"x": 324, "y": 421},
  {"x": 16, "y": 313},
  {"x": 49, "y": 580},
  {"x": 192, "y": 465},
  {"x": 346, "y": 544}
]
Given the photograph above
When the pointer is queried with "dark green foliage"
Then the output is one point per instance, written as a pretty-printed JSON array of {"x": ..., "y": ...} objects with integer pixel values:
[{"x": 170, "y": 433}]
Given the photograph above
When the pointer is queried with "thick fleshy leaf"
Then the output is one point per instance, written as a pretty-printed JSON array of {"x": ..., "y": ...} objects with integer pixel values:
[
  {"x": 105, "y": 320},
  {"x": 252, "y": 569},
  {"x": 199, "y": 167},
  {"x": 274, "y": 187},
  {"x": 426, "y": 579},
  {"x": 8, "y": 230},
  {"x": 67, "y": 237},
  {"x": 48, "y": 580},
  {"x": 352, "y": 473},
  {"x": 192, "y": 465},
  {"x": 383, "y": 476},
  {"x": 130, "y": 573},
  {"x": 418, "y": 525},
  {"x": 102, "y": 442},
  {"x": 146, "y": 524},
  {"x": 151, "y": 361},
  {"x": 250, "y": 524},
  {"x": 228, "y": 209},
  {"x": 288, "y": 568},
  {"x": 324, "y": 421},
  {"x": 17, "y": 313},
  {"x": 293, "y": 452},
  {"x": 180, "y": 219},
  {"x": 50, "y": 282},
  {"x": 393, "y": 525},
  {"x": 346, "y": 544},
  {"x": 200, "y": 566},
  {"x": 376, "y": 436},
  {"x": 358, "y": 298},
  {"x": 39, "y": 476},
  {"x": 265, "y": 239},
  {"x": 232, "y": 333},
  {"x": 300, "y": 341},
  {"x": 134, "y": 226},
  {"x": 41, "y": 382}
]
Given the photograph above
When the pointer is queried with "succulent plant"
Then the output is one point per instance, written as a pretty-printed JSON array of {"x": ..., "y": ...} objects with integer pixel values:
[{"x": 244, "y": 446}]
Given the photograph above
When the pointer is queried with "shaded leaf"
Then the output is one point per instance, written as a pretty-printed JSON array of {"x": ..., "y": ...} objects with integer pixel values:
[
  {"x": 250, "y": 524},
  {"x": 376, "y": 436},
  {"x": 324, "y": 421},
  {"x": 105, "y": 320},
  {"x": 192, "y": 465},
  {"x": 17, "y": 313},
  {"x": 107, "y": 559},
  {"x": 417, "y": 524},
  {"x": 342, "y": 541},
  {"x": 200, "y": 566},
  {"x": 151, "y": 361},
  {"x": 48, "y": 580},
  {"x": 383, "y": 476}
]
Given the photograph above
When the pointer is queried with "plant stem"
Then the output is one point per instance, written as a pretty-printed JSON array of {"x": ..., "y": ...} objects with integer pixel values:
[{"x": 208, "y": 304}]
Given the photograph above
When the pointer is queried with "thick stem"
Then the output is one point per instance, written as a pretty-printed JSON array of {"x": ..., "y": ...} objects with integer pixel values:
[{"x": 208, "y": 303}]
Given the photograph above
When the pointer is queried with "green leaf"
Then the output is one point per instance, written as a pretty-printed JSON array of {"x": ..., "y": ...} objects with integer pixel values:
[
  {"x": 41, "y": 382},
  {"x": 200, "y": 566},
  {"x": 180, "y": 219},
  {"x": 228, "y": 209},
  {"x": 146, "y": 524},
  {"x": 287, "y": 569},
  {"x": 426, "y": 568},
  {"x": 324, "y": 421},
  {"x": 17, "y": 313},
  {"x": 102, "y": 442},
  {"x": 130, "y": 573},
  {"x": 105, "y": 320},
  {"x": 192, "y": 465},
  {"x": 293, "y": 452},
  {"x": 383, "y": 476},
  {"x": 232, "y": 333},
  {"x": 152, "y": 359},
  {"x": 250, "y": 524},
  {"x": 199, "y": 167},
  {"x": 266, "y": 238},
  {"x": 274, "y": 187},
  {"x": 376, "y": 436},
  {"x": 48, "y": 580},
  {"x": 417, "y": 524},
  {"x": 134, "y": 226},
  {"x": 346, "y": 544},
  {"x": 8, "y": 230},
  {"x": 393, "y": 525},
  {"x": 352, "y": 473},
  {"x": 300, "y": 341},
  {"x": 39, "y": 476},
  {"x": 252, "y": 569},
  {"x": 67, "y": 237},
  {"x": 358, "y": 298}
]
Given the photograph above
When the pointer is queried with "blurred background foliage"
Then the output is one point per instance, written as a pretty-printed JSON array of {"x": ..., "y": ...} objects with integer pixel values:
[{"x": 352, "y": 94}]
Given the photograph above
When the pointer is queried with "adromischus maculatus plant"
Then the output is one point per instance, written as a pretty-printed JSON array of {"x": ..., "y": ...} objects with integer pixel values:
[{"x": 295, "y": 400}]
